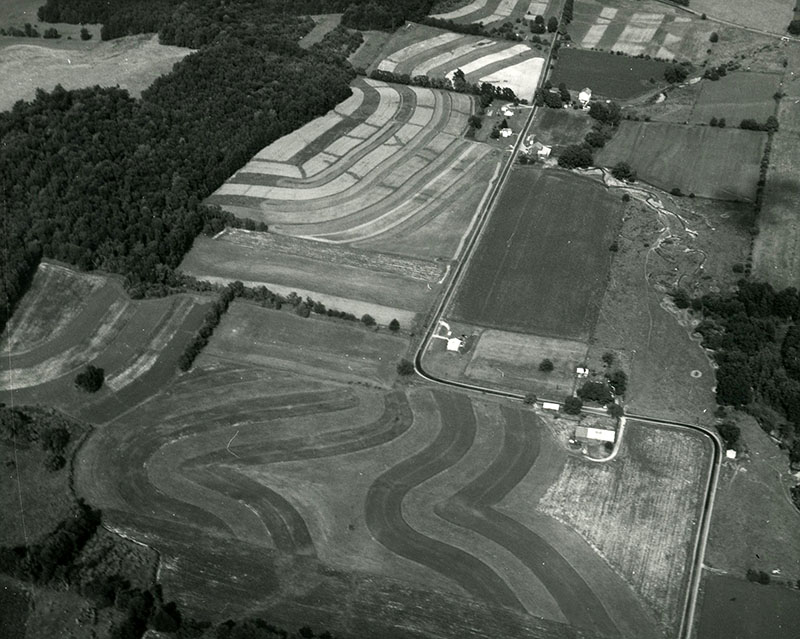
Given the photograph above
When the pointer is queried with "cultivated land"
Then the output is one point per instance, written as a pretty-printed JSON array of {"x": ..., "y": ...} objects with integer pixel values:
[
  {"x": 767, "y": 15},
  {"x": 737, "y": 96},
  {"x": 710, "y": 162},
  {"x": 737, "y": 608},
  {"x": 561, "y": 127},
  {"x": 422, "y": 50},
  {"x": 135, "y": 342},
  {"x": 131, "y": 63},
  {"x": 640, "y": 28},
  {"x": 641, "y": 511},
  {"x": 356, "y": 281},
  {"x": 262, "y": 453},
  {"x": 542, "y": 262},
  {"x": 608, "y": 75},
  {"x": 489, "y": 12},
  {"x": 388, "y": 161}
]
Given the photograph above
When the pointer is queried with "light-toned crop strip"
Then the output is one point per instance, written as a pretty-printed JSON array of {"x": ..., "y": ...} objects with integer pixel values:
[
  {"x": 472, "y": 7},
  {"x": 425, "y": 97},
  {"x": 638, "y": 33},
  {"x": 271, "y": 168},
  {"x": 390, "y": 63},
  {"x": 289, "y": 145},
  {"x": 441, "y": 70},
  {"x": 449, "y": 57},
  {"x": 319, "y": 163},
  {"x": 522, "y": 77},
  {"x": 337, "y": 185},
  {"x": 537, "y": 8},
  {"x": 344, "y": 145},
  {"x": 504, "y": 9},
  {"x": 351, "y": 104},
  {"x": 492, "y": 58},
  {"x": 596, "y": 31},
  {"x": 387, "y": 107}
]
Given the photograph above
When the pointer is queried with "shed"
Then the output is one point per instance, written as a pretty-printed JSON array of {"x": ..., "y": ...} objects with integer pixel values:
[
  {"x": 550, "y": 406},
  {"x": 588, "y": 434},
  {"x": 582, "y": 372},
  {"x": 730, "y": 453}
]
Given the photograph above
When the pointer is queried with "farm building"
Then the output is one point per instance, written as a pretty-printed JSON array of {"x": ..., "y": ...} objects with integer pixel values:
[
  {"x": 584, "y": 96},
  {"x": 454, "y": 344},
  {"x": 550, "y": 406},
  {"x": 594, "y": 435}
]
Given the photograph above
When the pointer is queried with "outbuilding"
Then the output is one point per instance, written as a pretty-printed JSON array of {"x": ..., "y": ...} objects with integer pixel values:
[
  {"x": 594, "y": 435},
  {"x": 550, "y": 406}
]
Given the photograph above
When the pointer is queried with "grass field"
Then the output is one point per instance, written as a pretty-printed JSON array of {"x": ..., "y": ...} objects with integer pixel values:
[
  {"x": 561, "y": 127},
  {"x": 323, "y": 24},
  {"x": 709, "y": 162},
  {"x": 542, "y": 262},
  {"x": 131, "y": 63},
  {"x": 737, "y": 608},
  {"x": 735, "y": 97},
  {"x": 641, "y": 511},
  {"x": 423, "y": 50},
  {"x": 135, "y": 342},
  {"x": 14, "y": 603},
  {"x": 609, "y": 76},
  {"x": 769, "y": 15},
  {"x": 383, "y": 285},
  {"x": 640, "y": 28}
]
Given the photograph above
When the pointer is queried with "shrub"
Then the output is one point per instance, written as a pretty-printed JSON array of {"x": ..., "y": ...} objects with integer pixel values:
[
  {"x": 623, "y": 171},
  {"x": 86, "y": 34},
  {"x": 90, "y": 379},
  {"x": 794, "y": 27},
  {"x": 546, "y": 365},
  {"x": 573, "y": 405},
  {"x": 54, "y": 462},
  {"x": 714, "y": 37},
  {"x": 730, "y": 434},
  {"x": 51, "y": 33},
  {"x": 529, "y": 399},
  {"x": 619, "y": 382},
  {"x": 596, "y": 391},
  {"x": 405, "y": 367},
  {"x": 368, "y": 320},
  {"x": 394, "y": 326}
]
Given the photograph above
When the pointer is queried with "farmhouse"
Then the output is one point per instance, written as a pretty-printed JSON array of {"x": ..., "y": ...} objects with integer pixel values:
[
  {"x": 584, "y": 97},
  {"x": 454, "y": 344},
  {"x": 594, "y": 435}
]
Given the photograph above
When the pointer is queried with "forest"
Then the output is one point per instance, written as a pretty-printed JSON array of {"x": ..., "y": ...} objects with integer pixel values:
[{"x": 100, "y": 180}]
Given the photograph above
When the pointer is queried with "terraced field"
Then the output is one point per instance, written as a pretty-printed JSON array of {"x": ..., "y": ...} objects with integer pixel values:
[
  {"x": 69, "y": 319},
  {"x": 489, "y": 12},
  {"x": 422, "y": 50},
  {"x": 634, "y": 28}
]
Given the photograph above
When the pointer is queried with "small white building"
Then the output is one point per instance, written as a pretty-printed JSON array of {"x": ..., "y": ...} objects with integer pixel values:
[
  {"x": 730, "y": 453},
  {"x": 506, "y": 133},
  {"x": 454, "y": 344},
  {"x": 588, "y": 434},
  {"x": 550, "y": 406},
  {"x": 584, "y": 96},
  {"x": 582, "y": 372}
]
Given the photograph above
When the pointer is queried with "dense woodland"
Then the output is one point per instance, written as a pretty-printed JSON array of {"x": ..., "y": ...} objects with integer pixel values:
[
  {"x": 98, "y": 179},
  {"x": 755, "y": 338}
]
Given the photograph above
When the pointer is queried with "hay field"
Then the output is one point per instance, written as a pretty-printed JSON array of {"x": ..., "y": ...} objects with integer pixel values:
[
  {"x": 383, "y": 285},
  {"x": 424, "y": 50},
  {"x": 389, "y": 161},
  {"x": 316, "y": 492},
  {"x": 715, "y": 163},
  {"x": 737, "y": 96},
  {"x": 542, "y": 262},
  {"x": 641, "y": 511},
  {"x": 640, "y": 28},
  {"x": 132, "y": 63},
  {"x": 68, "y": 319},
  {"x": 489, "y": 12},
  {"x": 767, "y": 15}
]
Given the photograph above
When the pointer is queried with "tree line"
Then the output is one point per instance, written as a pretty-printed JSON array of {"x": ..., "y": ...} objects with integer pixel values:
[{"x": 100, "y": 180}]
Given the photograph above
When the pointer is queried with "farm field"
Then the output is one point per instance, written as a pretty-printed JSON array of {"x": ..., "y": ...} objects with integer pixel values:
[
  {"x": 542, "y": 262},
  {"x": 423, "y": 50},
  {"x": 561, "y": 127},
  {"x": 14, "y": 603},
  {"x": 131, "y": 63},
  {"x": 508, "y": 360},
  {"x": 388, "y": 165},
  {"x": 769, "y": 15},
  {"x": 640, "y": 28},
  {"x": 489, "y": 12},
  {"x": 383, "y": 285},
  {"x": 776, "y": 249},
  {"x": 707, "y": 161},
  {"x": 133, "y": 341},
  {"x": 262, "y": 454},
  {"x": 641, "y": 511},
  {"x": 736, "y": 608},
  {"x": 323, "y": 24},
  {"x": 737, "y": 96},
  {"x": 608, "y": 75}
]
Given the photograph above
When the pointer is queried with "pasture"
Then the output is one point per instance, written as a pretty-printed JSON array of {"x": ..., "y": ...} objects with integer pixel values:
[
  {"x": 316, "y": 493},
  {"x": 423, "y": 50},
  {"x": 388, "y": 163},
  {"x": 640, "y": 28},
  {"x": 710, "y": 162},
  {"x": 608, "y": 75},
  {"x": 134, "y": 341},
  {"x": 733, "y": 607},
  {"x": 356, "y": 281},
  {"x": 641, "y": 511},
  {"x": 131, "y": 63},
  {"x": 736, "y": 96},
  {"x": 561, "y": 127},
  {"x": 489, "y": 12},
  {"x": 542, "y": 262},
  {"x": 768, "y": 15}
]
